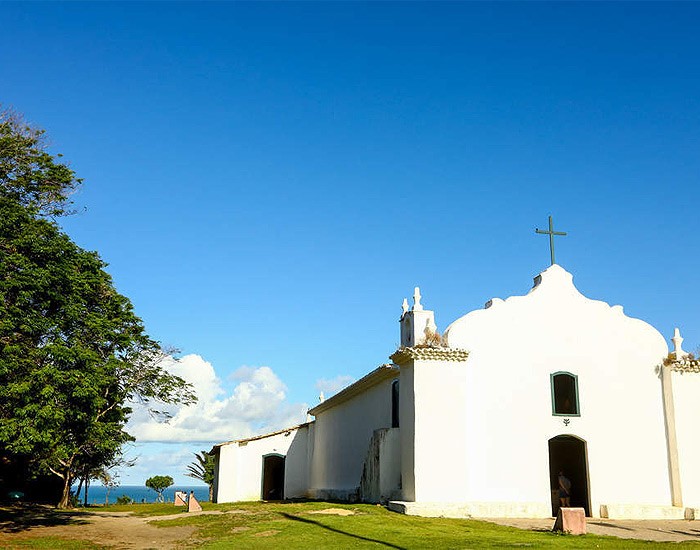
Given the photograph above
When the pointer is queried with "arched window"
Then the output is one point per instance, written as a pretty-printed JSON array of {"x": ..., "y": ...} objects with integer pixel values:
[
  {"x": 565, "y": 394},
  {"x": 395, "y": 404}
]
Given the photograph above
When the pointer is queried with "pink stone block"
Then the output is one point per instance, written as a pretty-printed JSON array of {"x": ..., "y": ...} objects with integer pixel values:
[
  {"x": 571, "y": 520},
  {"x": 193, "y": 504}
]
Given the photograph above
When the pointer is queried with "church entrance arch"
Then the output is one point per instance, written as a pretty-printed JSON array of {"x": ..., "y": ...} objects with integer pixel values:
[
  {"x": 273, "y": 477},
  {"x": 568, "y": 455}
]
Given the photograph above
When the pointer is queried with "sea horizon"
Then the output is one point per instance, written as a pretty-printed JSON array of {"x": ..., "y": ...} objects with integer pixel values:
[{"x": 139, "y": 493}]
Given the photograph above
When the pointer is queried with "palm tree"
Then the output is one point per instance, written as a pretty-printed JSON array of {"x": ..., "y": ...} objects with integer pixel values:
[{"x": 203, "y": 470}]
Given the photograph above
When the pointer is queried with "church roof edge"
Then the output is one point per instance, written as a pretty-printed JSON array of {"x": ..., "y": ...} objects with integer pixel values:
[
  {"x": 373, "y": 378},
  {"x": 261, "y": 436}
]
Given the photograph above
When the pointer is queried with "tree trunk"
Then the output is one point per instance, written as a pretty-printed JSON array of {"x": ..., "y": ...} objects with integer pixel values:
[
  {"x": 65, "y": 494},
  {"x": 211, "y": 492},
  {"x": 80, "y": 487},
  {"x": 87, "y": 486}
]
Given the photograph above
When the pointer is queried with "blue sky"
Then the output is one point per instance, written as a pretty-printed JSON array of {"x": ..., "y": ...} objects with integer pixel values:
[{"x": 269, "y": 180}]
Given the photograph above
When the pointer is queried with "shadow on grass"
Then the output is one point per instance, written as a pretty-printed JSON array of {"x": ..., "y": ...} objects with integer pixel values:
[
  {"x": 318, "y": 524},
  {"x": 14, "y": 519}
]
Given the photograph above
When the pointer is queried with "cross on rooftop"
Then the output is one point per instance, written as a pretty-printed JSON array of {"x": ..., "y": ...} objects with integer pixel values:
[{"x": 551, "y": 234}]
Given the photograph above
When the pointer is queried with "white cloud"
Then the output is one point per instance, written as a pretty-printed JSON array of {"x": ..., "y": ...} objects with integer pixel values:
[
  {"x": 257, "y": 404},
  {"x": 331, "y": 386}
]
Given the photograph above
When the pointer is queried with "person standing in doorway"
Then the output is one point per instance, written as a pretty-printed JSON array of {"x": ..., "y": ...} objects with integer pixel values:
[{"x": 564, "y": 491}]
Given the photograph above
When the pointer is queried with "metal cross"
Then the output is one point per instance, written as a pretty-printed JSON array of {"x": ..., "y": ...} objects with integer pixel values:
[{"x": 551, "y": 234}]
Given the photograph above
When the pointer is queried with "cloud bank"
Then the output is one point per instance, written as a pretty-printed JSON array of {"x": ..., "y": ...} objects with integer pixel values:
[{"x": 257, "y": 404}]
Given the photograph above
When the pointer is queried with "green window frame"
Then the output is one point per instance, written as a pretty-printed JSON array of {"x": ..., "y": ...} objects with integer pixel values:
[{"x": 565, "y": 395}]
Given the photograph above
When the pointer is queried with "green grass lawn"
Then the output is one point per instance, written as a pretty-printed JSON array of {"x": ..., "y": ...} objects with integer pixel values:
[{"x": 292, "y": 525}]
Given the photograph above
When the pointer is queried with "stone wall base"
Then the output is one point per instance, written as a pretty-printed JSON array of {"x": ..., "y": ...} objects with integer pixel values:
[
  {"x": 472, "y": 509},
  {"x": 642, "y": 511}
]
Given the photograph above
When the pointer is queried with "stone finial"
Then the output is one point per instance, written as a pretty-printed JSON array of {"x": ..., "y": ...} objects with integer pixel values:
[
  {"x": 417, "y": 306},
  {"x": 430, "y": 326},
  {"x": 677, "y": 341},
  {"x": 404, "y": 306},
  {"x": 321, "y": 397}
]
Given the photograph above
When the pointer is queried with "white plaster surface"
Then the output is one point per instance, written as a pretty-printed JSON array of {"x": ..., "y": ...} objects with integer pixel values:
[
  {"x": 514, "y": 347},
  {"x": 381, "y": 475},
  {"x": 686, "y": 396},
  {"x": 640, "y": 511},
  {"x": 472, "y": 509},
  {"x": 240, "y": 466},
  {"x": 342, "y": 438}
]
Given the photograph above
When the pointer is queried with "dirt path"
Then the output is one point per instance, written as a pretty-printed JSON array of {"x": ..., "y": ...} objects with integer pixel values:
[
  {"x": 673, "y": 530},
  {"x": 118, "y": 530}
]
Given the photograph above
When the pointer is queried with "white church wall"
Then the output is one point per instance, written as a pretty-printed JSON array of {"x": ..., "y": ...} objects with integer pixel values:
[
  {"x": 240, "y": 465},
  {"x": 342, "y": 436},
  {"x": 381, "y": 473},
  {"x": 441, "y": 461},
  {"x": 686, "y": 394},
  {"x": 515, "y": 345},
  {"x": 296, "y": 473},
  {"x": 226, "y": 474},
  {"x": 407, "y": 432}
]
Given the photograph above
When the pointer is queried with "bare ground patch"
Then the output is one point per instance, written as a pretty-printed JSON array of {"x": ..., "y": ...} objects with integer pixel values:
[
  {"x": 334, "y": 512},
  {"x": 118, "y": 530}
]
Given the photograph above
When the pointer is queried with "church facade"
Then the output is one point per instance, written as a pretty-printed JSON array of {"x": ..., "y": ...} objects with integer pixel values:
[{"x": 481, "y": 421}]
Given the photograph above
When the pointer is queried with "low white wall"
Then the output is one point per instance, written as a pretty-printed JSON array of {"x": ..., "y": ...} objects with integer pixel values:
[{"x": 381, "y": 475}]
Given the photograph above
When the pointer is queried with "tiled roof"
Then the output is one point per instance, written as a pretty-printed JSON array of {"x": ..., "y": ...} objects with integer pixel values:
[
  {"x": 403, "y": 355},
  {"x": 686, "y": 365}
]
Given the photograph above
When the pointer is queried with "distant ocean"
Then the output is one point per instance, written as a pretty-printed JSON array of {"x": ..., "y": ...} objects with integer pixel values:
[{"x": 140, "y": 493}]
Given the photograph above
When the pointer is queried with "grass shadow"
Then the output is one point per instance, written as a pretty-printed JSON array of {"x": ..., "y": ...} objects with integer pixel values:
[
  {"x": 17, "y": 518},
  {"x": 319, "y": 524}
]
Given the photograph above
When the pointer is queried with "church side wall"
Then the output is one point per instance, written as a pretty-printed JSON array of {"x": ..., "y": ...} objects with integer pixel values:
[
  {"x": 240, "y": 470},
  {"x": 342, "y": 438},
  {"x": 226, "y": 474},
  {"x": 686, "y": 395},
  {"x": 296, "y": 475}
]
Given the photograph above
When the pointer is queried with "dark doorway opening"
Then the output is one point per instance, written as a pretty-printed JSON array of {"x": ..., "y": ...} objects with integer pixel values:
[
  {"x": 273, "y": 477},
  {"x": 567, "y": 454}
]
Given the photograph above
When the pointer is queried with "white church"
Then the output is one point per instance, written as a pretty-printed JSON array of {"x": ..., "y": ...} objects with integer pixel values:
[{"x": 481, "y": 421}]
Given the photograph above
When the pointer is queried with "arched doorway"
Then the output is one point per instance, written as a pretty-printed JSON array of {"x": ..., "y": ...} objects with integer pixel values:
[
  {"x": 273, "y": 477},
  {"x": 568, "y": 454}
]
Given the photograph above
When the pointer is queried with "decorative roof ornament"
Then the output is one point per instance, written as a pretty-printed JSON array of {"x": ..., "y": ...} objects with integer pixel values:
[
  {"x": 321, "y": 397},
  {"x": 677, "y": 342},
  {"x": 417, "y": 306},
  {"x": 404, "y": 306}
]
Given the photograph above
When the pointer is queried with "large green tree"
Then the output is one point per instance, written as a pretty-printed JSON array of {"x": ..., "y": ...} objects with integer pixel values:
[{"x": 73, "y": 354}]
